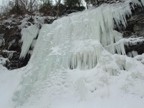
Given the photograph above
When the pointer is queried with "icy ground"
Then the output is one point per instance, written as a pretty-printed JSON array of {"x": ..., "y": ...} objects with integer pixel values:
[{"x": 74, "y": 65}]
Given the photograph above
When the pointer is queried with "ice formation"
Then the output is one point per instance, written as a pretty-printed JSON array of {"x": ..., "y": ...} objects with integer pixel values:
[
  {"x": 28, "y": 36},
  {"x": 75, "y": 58},
  {"x": 140, "y": 58}
]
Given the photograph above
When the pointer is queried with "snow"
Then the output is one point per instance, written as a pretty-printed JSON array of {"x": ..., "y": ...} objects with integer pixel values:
[
  {"x": 133, "y": 40},
  {"x": 140, "y": 58},
  {"x": 9, "y": 81},
  {"x": 3, "y": 61},
  {"x": 73, "y": 65}
]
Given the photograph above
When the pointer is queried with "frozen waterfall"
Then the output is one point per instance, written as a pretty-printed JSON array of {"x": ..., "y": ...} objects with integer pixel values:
[{"x": 75, "y": 57}]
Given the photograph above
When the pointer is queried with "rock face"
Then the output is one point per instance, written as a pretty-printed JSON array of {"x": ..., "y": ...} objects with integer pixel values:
[
  {"x": 135, "y": 30},
  {"x": 135, "y": 24},
  {"x": 10, "y": 47},
  {"x": 139, "y": 24}
]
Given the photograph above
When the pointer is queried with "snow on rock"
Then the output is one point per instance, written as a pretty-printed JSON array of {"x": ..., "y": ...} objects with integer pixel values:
[
  {"x": 140, "y": 58},
  {"x": 28, "y": 35},
  {"x": 3, "y": 61},
  {"x": 133, "y": 40},
  {"x": 133, "y": 45},
  {"x": 30, "y": 20}
]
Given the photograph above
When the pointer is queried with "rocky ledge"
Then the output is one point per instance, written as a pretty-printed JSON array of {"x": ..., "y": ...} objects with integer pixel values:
[{"x": 134, "y": 32}]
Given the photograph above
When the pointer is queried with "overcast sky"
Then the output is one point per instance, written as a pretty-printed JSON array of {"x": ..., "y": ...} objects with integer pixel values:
[{"x": 0, "y": 2}]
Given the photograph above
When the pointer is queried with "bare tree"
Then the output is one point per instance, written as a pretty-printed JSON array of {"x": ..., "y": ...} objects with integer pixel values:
[
  {"x": 71, "y": 3},
  {"x": 31, "y": 5},
  {"x": 58, "y": 2},
  {"x": 25, "y": 5}
]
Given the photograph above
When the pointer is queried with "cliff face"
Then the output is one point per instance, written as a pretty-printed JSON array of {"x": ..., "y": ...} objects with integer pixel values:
[
  {"x": 135, "y": 33},
  {"x": 11, "y": 27},
  {"x": 11, "y": 47}
]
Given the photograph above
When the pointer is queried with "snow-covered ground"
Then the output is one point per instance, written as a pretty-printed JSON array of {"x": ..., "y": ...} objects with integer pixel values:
[{"x": 73, "y": 65}]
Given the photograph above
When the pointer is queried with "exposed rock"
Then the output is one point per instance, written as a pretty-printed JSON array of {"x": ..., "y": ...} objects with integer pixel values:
[{"x": 135, "y": 27}]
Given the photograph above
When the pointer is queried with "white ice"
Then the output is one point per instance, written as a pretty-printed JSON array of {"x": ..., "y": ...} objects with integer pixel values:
[{"x": 28, "y": 36}]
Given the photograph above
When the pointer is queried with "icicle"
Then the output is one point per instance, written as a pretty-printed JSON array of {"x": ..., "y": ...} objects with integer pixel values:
[
  {"x": 86, "y": 56},
  {"x": 28, "y": 35}
]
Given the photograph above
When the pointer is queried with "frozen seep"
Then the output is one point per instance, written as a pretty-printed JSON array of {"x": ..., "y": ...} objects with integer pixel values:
[{"x": 28, "y": 36}]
